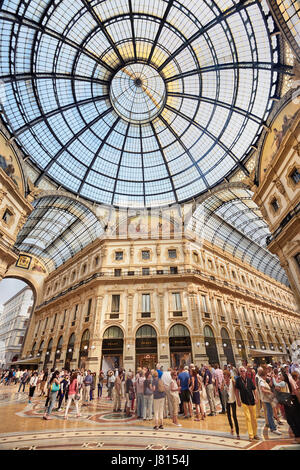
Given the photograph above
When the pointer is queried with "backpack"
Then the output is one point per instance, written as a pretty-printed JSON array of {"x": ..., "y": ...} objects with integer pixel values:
[{"x": 161, "y": 387}]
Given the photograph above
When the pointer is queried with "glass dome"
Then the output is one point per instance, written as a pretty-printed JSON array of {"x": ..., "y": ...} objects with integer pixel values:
[{"x": 136, "y": 103}]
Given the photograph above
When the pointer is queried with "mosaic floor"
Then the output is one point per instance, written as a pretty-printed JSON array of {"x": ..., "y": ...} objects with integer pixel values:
[{"x": 22, "y": 428}]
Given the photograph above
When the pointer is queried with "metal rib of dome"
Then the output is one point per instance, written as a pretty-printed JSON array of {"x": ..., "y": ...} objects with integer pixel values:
[{"x": 137, "y": 103}]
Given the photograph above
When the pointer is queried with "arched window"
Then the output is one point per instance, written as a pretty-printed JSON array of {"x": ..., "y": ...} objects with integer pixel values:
[
  {"x": 208, "y": 332},
  {"x": 261, "y": 341},
  {"x": 224, "y": 333},
  {"x": 71, "y": 342},
  {"x": 33, "y": 348},
  {"x": 179, "y": 330},
  {"x": 113, "y": 332},
  {"x": 146, "y": 331},
  {"x": 41, "y": 348},
  {"x": 251, "y": 340}
]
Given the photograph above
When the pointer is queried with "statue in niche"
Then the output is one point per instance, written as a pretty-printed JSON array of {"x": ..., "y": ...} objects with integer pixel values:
[{"x": 8, "y": 167}]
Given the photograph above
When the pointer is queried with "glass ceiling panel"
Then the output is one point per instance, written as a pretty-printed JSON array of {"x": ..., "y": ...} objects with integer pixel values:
[
  {"x": 153, "y": 102},
  {"x": 233, "y": 222},
  {"x": 57, "y": 229}
]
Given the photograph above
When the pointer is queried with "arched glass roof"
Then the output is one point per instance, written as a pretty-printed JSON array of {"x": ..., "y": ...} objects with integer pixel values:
[
  {"x": 57, "y": 229},
  {"x": 137, "y": 102},
  {"x": 230, "y": 220}
]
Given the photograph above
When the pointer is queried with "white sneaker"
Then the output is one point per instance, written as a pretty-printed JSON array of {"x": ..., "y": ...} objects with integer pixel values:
[{"x": 276, "y": 432}]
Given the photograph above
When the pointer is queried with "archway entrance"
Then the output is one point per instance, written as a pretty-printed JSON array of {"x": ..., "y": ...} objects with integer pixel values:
[
  {"x": 112, "y": 349},
  {"x": 70, "y": 349},
  {"x": 180, "y": 346},
  {"x": 227, "y": 347},
  {"x": 146, "y": 347},
  {"x": 84, "y": 349},
  {"x": 57, "y": 353},
  {"x": 210, "y": 346},
  {"x": 48, "y": 353}
]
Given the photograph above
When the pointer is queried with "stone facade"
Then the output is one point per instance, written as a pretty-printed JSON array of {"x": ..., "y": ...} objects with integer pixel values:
[
  {"x": 278, "y": 196},
  {"x": 189, "y": 282}
]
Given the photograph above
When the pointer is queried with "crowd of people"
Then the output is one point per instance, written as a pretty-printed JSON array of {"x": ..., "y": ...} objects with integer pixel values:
[{"x": 271, "y": 391}]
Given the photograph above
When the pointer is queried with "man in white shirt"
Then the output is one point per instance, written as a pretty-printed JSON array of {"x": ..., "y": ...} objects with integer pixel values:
[{"x": 167, "y": 379}]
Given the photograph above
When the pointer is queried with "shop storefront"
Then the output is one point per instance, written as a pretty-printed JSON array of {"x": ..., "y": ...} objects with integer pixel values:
[
  {"x": 180, "y": 346},
  {"x": 112, "y": 349},
  {"x": 146, "y": 347},
  {"x": 227, "y": 347}
]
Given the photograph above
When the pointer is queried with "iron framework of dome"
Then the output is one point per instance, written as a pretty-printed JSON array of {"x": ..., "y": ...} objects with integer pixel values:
[{"x": 134, "y": 102}]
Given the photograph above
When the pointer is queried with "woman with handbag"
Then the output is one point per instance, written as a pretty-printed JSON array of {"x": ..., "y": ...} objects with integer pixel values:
[
  {"x": 267, "y": 398},
  {"x": 73, "y": 394},
  {"x": 230, "y": 402},
  {"x": 291, "y": 404},
  {"x": 54, "y": 386}
]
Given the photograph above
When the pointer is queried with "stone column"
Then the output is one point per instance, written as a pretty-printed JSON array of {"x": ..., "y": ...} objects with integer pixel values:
[
  {"x": 95, "y": 348},
  {"x": 163, "y": 353}
]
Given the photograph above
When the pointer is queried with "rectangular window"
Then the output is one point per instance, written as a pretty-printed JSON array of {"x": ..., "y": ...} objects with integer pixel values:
[
  {"x": 21, "y": 339},
  {"x": 173, "y": 270},
  {"x": 75, "y": 312},
  {"x": 204, "y": 303},
  {"x": 7, "y": 216},
  {"x": 54, "y": 320},
  {"x": 46, "y": 323},
  {"x": 297, "y": 259},
  {"x": 176, "y": 301},
  {"x": 172, "y": 254},
  {"x": 118, "y": 272},
  {"x": 245, "y": 314},
  {"x": 295, "y": 175},
  {"x": 119, "y": 255},
  {"x": 145, "y": 254},
  {"x": 275, "y": 205},
  {"x": 145, "y": 271},
  {"x": 146, "y": 303},
  {"x": 89, "y": 307},
  {"x": 219, "y": 304},
  {"x": 115, "y": 303}
]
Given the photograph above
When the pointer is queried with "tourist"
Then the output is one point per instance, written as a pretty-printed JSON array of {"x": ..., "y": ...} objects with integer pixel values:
[
  {"x": 292, "y": 411},
  {"x": 230, "y": 402},
  {"x": 195, "y": 391},
  {"x": 93, "y": 386},
  {"x": 129, "y": 394},
  {"x": 110, "y": 384},
  {"x": 139, "y": 389},
  {"x": 63, "y": 390},
  {"x": 219, "y": 378},
  {"x": 23, "y": 380},
  {"x": 100, "y": 383},
  {"x": 117, "y": 392},
  {"x": 44, "y": 383},
  {"x": 174, "y": 392},
  {"x": 87, "y": 383},
  {"x": 158, "y": 400},
  {"x": 52, "y": 394},
  {"x": 267, "y": 397},
  {"x": 184, "y": 381},
  {"x": 246, "y": 396},
  {"x": 32, "y": 385},
  {"x": 148, "y": 396},
  {"x": 167, "y": 379},
  {"x": 73, "y": 395},
  {"x": 209, "y": 388}
]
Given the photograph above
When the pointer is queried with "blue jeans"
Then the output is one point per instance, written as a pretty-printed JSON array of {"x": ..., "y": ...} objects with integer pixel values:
[
  {"x": 140, "y": 405},
  {"x": 22, "y": 384},
  {"x": 270, "y": 416},
  {"x": 52, "y": 400}
]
